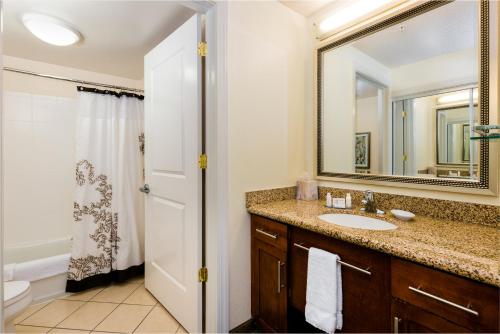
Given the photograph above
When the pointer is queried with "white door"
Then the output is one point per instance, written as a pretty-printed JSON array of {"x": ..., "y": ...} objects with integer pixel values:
[{"x": 173, "y": 144}]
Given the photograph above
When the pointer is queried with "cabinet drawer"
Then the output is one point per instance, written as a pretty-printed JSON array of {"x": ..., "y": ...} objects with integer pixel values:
[
  {"x": 465, "y": 302},
  {"x": 366, "y": 294},
  {"x": 270, "y": 232}
]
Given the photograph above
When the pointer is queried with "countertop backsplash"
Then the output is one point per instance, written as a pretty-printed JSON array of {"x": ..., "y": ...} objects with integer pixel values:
[{"x": 427, "y": 207}]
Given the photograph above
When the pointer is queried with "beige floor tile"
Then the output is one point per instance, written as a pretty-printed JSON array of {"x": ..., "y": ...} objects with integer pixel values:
[
  {"x": 141, "y": 296},
  {"x": 84, "y": 295},
  {"x": 88, "y": 316},
  {"x": 29, "y": 311},
  {"x": 31, "y": 329},
  {"x": 116, "y": 293},
  {"x": 181, "y": 330},
  {"x": 52, "y": 314},
  {"x": 158, "y": 321},
  {"x": 124, "y": 319},
  {"x": 69, "y": 331},
  {"x": 139, "y": 279}
]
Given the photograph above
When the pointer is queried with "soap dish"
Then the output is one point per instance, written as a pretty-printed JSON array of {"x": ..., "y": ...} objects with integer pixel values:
[{"x": 403, "y": 215}]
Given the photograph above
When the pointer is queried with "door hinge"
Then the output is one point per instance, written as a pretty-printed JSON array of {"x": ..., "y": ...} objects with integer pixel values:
[
  {"x": 405, "y": 157},
  {"x": 202, "y": 49},
  {"x": 203, "y": 275},
  {"x": 202, "y": 161},
  {"x": 404, "y": 114}
]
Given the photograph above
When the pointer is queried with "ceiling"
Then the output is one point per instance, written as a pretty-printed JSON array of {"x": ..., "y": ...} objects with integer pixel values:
[
  {"x": 117, "y": 34},
  {"x": 306, "y": 7},
  {"x": 450, "y": 28}
]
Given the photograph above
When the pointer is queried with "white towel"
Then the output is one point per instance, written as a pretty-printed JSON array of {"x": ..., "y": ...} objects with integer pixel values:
[
  {"x": 8, "y": 272},
  {"x": 324, "y": 291}
]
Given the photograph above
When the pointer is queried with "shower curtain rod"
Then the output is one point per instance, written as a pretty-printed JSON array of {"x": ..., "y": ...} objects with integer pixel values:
[{"x": 15, "y": 70}]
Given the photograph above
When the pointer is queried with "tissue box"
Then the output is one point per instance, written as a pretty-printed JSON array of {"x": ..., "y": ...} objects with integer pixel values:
[{"x": 307, "y": 190}]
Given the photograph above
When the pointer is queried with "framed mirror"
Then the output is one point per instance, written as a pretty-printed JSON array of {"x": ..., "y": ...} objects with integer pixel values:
[{"x": 397, "y": 101}]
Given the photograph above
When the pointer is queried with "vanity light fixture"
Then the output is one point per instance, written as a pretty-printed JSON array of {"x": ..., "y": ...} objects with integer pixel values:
[
  {"x": 457, "y": 97},
  {"x": 51, "y": 30},
  {"x": 350, "y": 13}
]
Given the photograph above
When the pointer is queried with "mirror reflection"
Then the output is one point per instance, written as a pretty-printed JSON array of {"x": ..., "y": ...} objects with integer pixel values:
[{"x": 403, "y": 101}]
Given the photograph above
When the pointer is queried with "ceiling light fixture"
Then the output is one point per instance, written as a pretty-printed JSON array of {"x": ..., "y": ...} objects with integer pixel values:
[
  {"x": 350, "y": 13},
  {"x": 50, "y": 29}
]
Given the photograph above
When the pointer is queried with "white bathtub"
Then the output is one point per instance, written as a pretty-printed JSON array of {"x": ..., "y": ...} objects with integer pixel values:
[{"x": 44, "y": 265}]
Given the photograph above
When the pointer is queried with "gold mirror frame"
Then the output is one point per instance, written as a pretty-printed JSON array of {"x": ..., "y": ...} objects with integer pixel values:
[{"x": 483, "y": 182}]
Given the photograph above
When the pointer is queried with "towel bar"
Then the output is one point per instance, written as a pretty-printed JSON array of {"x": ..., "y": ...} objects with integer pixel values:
[{"x": 364, "y": 271}]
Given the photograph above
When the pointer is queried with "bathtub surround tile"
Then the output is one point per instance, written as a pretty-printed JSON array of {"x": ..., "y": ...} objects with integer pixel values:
[
  {"x": 124, "y": 319},
  {"x": 116, "y": 293},
  {"x": 31, "y": 329},
  {"x": 84, "y": 295},
  {"x": 29, "y": 311},
  {"x": 158, "y": 321},
  {"x": 88, "y": 316},
  {"x": 141, "y": 296},
  {"x": 52, "y": 314}
]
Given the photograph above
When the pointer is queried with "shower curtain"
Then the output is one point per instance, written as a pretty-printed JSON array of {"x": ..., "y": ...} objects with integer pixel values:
[{"x": 108, "y": 214}]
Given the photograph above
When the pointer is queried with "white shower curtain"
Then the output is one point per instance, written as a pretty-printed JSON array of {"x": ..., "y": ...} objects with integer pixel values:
[{"x": 108, "y": 210}]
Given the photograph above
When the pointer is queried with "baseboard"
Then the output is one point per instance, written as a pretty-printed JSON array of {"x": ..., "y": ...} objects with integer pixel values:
[{"x": 248, "y": 326}]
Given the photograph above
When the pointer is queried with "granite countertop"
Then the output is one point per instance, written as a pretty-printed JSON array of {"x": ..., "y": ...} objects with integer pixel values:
[{"x": 469, "y": 250}]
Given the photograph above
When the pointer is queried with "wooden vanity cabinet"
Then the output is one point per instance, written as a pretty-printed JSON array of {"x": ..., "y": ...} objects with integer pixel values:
[
  {"x": 269, "y": 274},
  {"x": 366, "y": 294},
  {"x": 440, "y": 302},
  {"x": 381, "y": 293}
]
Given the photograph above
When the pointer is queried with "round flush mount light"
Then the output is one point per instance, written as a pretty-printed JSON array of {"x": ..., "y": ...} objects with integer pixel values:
[{"x": 50, "y": 29}]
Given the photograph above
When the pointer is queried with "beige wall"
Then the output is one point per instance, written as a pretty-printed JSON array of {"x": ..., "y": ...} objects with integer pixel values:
[
  {"x": 266, "y": 80},
  {"x": 39, "y": 141}
]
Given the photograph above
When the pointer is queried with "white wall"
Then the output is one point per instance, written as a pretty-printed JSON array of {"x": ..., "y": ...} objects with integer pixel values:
[
  {"x": 39, "y": 142},
  {"x": 339, "y": 98},
  {"x": 444, "y": 71},
  {"x": 266, "y": 80},
  {"x": 367, "y": 120}
]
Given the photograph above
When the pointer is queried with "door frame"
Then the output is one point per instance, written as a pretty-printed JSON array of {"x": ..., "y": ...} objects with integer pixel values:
[
  {"x": 217, "y": 301},
  {"x": 216, "y": 184}
]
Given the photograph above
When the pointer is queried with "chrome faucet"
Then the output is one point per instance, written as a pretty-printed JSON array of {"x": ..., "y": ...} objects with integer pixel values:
[{"x": 369, "y": 202}]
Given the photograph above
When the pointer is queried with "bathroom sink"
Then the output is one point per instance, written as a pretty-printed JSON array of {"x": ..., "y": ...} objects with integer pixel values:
[{"x": 361, "y": 222}]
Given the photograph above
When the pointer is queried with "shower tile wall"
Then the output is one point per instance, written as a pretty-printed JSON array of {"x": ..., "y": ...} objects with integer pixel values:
[{"x": 39, "y": 139}]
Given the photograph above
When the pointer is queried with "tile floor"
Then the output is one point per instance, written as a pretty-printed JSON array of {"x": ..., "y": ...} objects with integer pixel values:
[{"x": 118, "y": 308}]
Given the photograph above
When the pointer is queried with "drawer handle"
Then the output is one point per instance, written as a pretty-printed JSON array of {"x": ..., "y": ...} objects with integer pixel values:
[
  {"x": 342, "y": 263},
  {"x": 396, "y": 325},
  {"x": 444, "y": 301},
  {"x": 267, "y": 234},
  {"x": 279, "y": 277}
]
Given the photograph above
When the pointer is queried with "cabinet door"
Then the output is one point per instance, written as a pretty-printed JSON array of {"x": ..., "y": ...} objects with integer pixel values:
[
  {"x": 269, "y": 292},
  {"x": 366, "y": 297},
  {"x": 408, "y": 318}
]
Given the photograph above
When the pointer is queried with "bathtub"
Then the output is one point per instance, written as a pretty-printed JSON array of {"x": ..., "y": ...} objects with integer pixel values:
[{"x": 44, "y": 265}]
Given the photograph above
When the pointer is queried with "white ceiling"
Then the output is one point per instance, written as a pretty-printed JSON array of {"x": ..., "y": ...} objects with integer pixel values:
[
  {"x": 306, "y": 7},
  {"x": 117, "y": 34},
  {"x": 448, "y": 29}
]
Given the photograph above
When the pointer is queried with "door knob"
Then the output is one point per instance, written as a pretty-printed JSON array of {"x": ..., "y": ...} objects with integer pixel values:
[{"x": 145, "y": 189}]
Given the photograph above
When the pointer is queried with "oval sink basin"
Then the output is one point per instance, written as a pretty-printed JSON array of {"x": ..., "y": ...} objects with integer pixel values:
[{"x": 353, "y": 221}]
